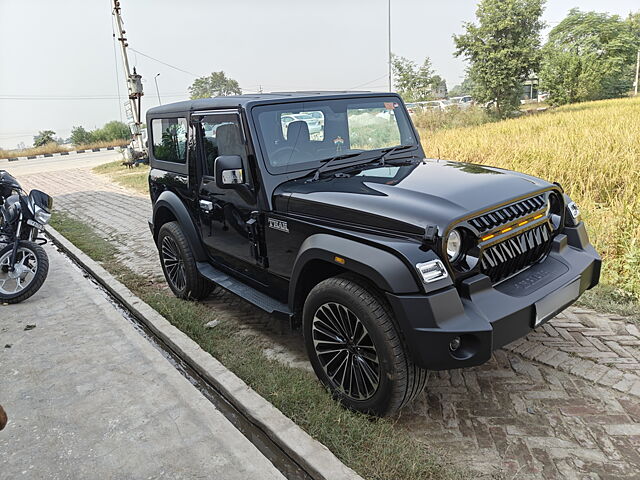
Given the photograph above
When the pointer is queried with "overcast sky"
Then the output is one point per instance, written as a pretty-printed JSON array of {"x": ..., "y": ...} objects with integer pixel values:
[{"x": 58, "y": 68}]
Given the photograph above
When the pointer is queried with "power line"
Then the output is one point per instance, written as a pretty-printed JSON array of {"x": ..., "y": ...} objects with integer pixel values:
[
  {"x": 367, "y": 83},
  {"x": 163, "y": 63}
]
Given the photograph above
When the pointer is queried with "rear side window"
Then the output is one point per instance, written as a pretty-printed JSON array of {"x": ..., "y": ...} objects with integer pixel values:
[{"x": 169, "y": 137}]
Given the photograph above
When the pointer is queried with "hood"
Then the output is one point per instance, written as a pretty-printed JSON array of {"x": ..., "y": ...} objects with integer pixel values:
[{"x": 406, "y": 198}]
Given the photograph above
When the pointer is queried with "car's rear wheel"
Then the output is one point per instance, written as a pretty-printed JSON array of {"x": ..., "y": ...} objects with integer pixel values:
[
  {"x": 179, "y": 265},
  {"x": 356, "y": 350}
]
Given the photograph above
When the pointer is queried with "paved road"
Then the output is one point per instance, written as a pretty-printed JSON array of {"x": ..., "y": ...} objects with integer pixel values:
[
  {"x": 88, "y": 397},
  {"x": 59, "y": 163},
  {"x": 564, "y": 402}
]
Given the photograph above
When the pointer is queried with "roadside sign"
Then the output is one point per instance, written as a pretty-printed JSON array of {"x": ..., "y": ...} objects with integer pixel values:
[{"x": 128, "y": 110}]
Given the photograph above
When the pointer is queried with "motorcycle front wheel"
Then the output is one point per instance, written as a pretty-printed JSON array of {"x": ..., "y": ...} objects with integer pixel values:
[{"x": 28, "y": 274}]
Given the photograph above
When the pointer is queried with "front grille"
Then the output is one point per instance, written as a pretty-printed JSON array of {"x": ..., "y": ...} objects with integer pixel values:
[
  {"x": 491, "y": 220},
  {"x": 508, "y": 257}
]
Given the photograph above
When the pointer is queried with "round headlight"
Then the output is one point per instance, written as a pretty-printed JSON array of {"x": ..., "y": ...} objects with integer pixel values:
[{"x": 454, "y": 244}]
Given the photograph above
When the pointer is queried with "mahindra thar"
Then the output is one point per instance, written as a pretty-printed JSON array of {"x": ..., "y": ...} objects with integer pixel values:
[{"x": 321, "y": 207}]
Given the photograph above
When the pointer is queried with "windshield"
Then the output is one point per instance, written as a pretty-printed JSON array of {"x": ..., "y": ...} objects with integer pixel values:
[{"x": 300, "y": 136}]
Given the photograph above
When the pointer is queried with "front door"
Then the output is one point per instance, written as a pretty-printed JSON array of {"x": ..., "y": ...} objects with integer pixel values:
[{"x": 225, "y": 214}]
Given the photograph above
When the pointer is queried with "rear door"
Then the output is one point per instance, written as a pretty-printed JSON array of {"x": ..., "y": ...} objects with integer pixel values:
[{"x": 226, "y": 215}]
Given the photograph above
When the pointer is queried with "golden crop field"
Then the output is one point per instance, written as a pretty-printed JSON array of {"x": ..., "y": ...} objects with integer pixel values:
[{"x": 592, "y": 149}]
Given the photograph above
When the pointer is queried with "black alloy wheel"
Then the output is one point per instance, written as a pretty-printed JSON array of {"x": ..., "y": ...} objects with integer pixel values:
[
  {"x": 179, "y": 265},
  {"x": 355, "y": 349},
  {"x": 345, "y": 351}
]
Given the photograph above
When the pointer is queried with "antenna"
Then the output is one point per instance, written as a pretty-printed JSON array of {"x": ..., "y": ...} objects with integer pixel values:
[{"x": 134, "y": 81}]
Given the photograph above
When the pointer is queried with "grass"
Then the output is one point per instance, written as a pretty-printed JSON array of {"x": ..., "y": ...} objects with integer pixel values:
[
  {"x": 430, "y": 121},
  {"x": 375, "y": 448},
  {"x": 135, "y": 178},
  {"x": 593, "y": 150},
  {"x": 55, "y": 148}
]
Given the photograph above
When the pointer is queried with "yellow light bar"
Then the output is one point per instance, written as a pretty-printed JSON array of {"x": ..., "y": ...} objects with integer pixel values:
[
  {"x": 488, "y": 237},
  {"x": 538, "y": 216},
  {"x": 506, "y": 230},
  {"x": 339, "y": 260}
]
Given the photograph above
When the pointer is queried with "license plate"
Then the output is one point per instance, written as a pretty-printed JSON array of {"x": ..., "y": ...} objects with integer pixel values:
[
  {"x": 35, "y": 224},
  {"x": 548, "y": 306}
]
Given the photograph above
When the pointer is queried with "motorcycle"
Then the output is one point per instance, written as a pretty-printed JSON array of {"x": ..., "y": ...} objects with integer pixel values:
[{"x": 24, "y": 264}]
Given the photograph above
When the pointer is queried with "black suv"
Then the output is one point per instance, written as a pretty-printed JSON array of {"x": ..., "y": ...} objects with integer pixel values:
[{"x": 321, "y": 207}]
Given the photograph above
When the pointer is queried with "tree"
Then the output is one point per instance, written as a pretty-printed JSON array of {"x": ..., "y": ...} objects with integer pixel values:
[
  {"x": 43, "y": 137},
  {"x": 590, "y": 56},
  {"x": 114, "y": 130},
  {"x": 503, "y": 50},
  {"x": 416, "y": 83},
  {"x": 465, "y": 88},
  {"x": 214, "y": 85},
  {"x": 79, "y": 136}
]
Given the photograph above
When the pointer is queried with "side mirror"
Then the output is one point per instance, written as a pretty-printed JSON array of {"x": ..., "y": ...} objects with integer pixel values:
[{"x": 228, "y": 171}]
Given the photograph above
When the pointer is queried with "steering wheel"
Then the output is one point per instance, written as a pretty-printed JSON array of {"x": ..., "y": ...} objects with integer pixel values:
[{"x": 280, "y": 157}]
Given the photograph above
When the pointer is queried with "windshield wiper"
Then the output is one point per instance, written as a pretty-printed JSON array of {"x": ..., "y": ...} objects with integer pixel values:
[
  {"x": 391, "y": 151},
  {"x": 327, "y": 162}
]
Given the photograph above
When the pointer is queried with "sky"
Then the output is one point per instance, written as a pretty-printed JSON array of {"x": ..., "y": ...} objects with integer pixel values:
[{"x": 59, "y": 68}]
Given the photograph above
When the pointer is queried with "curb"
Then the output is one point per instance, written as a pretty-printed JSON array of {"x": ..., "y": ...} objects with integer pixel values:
[
  {"x": 316, "y": 459},
  {"x": 47, "y": 155}
]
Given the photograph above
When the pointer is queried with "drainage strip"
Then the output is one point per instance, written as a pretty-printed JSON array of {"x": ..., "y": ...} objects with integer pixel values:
[{"x": 278, "y": 457}]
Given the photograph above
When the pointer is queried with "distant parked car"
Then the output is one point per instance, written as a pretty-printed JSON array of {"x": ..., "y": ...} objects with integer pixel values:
[
  {"x": 543, "y": 97},
  {"x": 461, "y": 102},
  {"x": 434, "y": 105}
]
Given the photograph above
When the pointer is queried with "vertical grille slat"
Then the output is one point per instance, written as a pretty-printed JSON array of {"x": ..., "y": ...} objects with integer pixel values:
[{"x": 506, "y": 258}]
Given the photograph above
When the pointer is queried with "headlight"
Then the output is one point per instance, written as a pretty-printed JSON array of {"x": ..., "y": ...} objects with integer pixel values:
[
  {"x": 454, "y": 245},
  {"x": 41, "y": 216}
]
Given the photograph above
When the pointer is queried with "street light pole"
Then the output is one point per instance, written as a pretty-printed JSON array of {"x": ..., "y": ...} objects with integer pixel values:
[
  {"x": 155, "y": 79},
  {"x": 637, "y": 72},
  {"x": 389, "y": 17}
]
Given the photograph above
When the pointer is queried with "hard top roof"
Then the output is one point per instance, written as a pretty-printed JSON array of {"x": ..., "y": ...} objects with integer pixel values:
[{"x": 250, "y": 99}]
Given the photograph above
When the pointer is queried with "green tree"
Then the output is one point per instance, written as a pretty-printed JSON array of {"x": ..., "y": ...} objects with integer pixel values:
[
  {"x": 216, "y": 84},
  {"x": 114, "y": 130},
  {"x": 465, "y": 88},
  {"x": 43, "y": 137},
  {"x": 503, "y": 50},
  {"x": 415, "y": 83},
  {"x": 590, "y": 56},
  {"x": 80, "y": 136}
]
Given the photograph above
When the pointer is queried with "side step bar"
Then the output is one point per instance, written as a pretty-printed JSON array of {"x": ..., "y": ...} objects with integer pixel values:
[{"x": 243, "y": 290}]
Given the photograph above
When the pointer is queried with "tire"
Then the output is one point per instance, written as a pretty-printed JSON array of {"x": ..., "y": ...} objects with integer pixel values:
[
  {"x": 31, "y": 257},
  {"x": 331, "y": 314},
  {"x": 179, "y": 266}
]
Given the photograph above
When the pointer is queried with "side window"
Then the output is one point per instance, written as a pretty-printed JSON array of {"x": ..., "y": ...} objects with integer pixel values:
[
  {"x": 169, "y": 139},
  {"x": 222, "y": 136}
]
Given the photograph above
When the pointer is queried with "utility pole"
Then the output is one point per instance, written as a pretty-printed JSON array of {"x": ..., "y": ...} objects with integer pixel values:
[
  {"x": 389, "y": 17},
  {"x": 134, "y": 81},
  {"x": 637, "y": 73},
  {"x": 155, "y": 79}
]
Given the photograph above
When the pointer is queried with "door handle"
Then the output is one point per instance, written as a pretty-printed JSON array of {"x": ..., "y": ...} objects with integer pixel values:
[{"x": 206, "y": 205}]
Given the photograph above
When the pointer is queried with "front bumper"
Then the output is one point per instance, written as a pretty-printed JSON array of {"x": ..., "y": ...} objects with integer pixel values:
[{"x": 486, "y": 317}]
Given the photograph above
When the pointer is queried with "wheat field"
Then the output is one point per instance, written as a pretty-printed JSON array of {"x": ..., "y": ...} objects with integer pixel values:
[{"x": 592, "y": 149}]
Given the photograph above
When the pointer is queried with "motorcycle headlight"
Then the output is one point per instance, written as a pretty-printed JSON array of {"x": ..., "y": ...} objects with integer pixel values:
[
  {"x": 41, "y": 216},
  {"x": 454, "y": 245}
]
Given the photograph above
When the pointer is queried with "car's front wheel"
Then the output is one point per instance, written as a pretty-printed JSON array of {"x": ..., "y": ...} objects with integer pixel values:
[
  {"x": 179, "y": 265},
  {"x": 356, "y": 350}
]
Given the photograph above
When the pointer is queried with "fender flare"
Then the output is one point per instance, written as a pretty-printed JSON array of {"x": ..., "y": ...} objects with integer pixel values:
[
  {"x": 171, "y": 202},
  {"x": 385, "y": 270}
]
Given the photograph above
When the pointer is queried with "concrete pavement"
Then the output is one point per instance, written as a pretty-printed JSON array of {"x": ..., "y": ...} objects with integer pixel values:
[{"x": 88, "y": 397}]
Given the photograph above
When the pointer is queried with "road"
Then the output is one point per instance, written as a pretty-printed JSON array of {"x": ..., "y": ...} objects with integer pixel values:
[
  {"x": 89, "y": 397},
  {"x": 562, "y": 403},
  {"x": 59, "y": 163}
]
